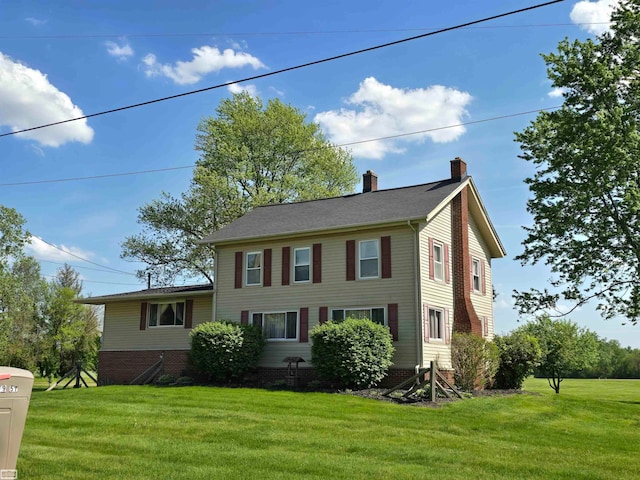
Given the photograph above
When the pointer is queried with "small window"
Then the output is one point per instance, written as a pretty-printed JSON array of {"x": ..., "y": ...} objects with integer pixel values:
[
  {"x": 301, "y": 264},
  {"x": 436, "y": 323},
  {"x": 254, "y": 268},
  {"x": 438, "y": 262},
  {"x": 166, "y": 314},
  {"x": 277, "y": 325},
  {"x": 375, "y": 314},
  {"x": 369, "y": 259},
  {"x": 476, "y": 275}
]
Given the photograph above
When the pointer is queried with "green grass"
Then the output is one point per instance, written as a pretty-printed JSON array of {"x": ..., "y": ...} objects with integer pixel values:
[{"x": 591, "y": 430}]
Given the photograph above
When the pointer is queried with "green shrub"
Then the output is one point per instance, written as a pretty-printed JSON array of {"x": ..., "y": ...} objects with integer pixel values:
[
  {"x": 519, "y": 355},
  {"x": 225, "y": 350},
  {"x": 166, "y": 380},
  {"x": 354, "y": 353},
  {"x": 474, "y": 361}
]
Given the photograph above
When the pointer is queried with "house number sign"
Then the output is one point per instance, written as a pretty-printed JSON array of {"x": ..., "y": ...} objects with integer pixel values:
[{"x": 8, "y": 389}]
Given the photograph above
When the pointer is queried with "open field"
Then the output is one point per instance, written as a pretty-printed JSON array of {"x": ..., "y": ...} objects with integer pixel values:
[{"x": 591, "y": 430}]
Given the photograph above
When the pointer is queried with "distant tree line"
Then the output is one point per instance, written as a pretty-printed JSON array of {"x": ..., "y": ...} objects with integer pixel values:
[{"x": 42, "y": 329}]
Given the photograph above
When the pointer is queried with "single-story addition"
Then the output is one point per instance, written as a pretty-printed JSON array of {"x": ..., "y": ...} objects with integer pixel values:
[{"x": 416, "y": 259}]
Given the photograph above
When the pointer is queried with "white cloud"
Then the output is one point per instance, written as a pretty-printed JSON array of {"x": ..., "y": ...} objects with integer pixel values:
[
  {"x": 205, "y": 60},
  {"x": 385, "y": 111},
  {"x": 121, "y": 52},
  {"x": 556, "y": 92},
  {"x": 594, "y": 15},
  {"x": 27, "y": 99},
  {"x": 250, "y": 89},
  {"x": 36, "y": 22},
  {"x": 43, "y": 251},
  {"x": 280, "y": 93}
]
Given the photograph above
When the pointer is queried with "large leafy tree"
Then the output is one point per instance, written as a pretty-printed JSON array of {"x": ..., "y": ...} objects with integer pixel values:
[
  {"x": 251, "y": 154},
  {"x": 586, "y": 192}
]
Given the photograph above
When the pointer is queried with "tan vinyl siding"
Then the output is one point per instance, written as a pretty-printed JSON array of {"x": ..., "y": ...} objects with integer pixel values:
[
  {"x": 437, "y": 294},
  {"x": 122, "y": 327},
  {"x": 483, "y": 304},
  {"x": 333, "y": 292}
]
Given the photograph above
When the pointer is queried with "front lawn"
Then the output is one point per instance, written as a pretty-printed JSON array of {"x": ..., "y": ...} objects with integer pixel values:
[{"x": 591, "y": 430}]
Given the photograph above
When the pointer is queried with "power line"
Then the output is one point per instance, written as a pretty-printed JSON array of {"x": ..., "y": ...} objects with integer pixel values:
[
  {"x": 268, "y": 34},
  {"x": 97, "y": 281},
  {"x": 80, "y": 266},
  {"x": 83, "y": 259},
  {"x": 288, "y": 69},
  {"x": 473, "y": 122}
]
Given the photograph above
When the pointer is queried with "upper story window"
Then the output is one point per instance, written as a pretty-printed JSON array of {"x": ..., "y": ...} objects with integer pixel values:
[
  {"x": 476, "y": 275},
  {"x": 375, "y": 314},
  {"x": 254, "y": 268},
  {"x": 438, "y": 261},
  {"x": 166, "y": 314},
  {"x": 301, "y": 264},
  {"x": 436, "y": 324},
  {"x": 277, "y": 325},
  {"x": 369, "y": 258}
]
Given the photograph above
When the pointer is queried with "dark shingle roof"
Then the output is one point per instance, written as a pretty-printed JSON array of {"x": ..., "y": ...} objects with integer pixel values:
[
  {"x": 378, "y": 207},
  {"x": 148, "y": 293}
]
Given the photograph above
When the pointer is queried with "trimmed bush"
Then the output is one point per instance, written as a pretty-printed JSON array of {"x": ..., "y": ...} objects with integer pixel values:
[
  {"x": 474, "y": 361},
  {"x": 225, "y": 350},
  {"x": 353, "y": 353},
  {"x": 519, "y": 355}
]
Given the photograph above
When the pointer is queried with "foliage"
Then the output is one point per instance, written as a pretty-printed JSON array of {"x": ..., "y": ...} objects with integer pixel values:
[
  {"x": 474, "y": 361},
  {"x": 250, "y": 155},
  {"x": 355, "y": 353},
  {"x": 225, "y": 350},
  {"x": 519, "y": 354},
  {"x": 565, "y": 348},
  {"x": 586, "y": 188}
]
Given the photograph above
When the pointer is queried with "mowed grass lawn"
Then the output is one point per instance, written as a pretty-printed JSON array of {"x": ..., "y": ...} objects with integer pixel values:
[{"x": 591, "y": 430}]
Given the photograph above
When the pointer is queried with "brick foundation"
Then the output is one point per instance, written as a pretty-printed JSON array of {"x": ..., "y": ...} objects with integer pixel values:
[{"x": 117, "y": 368}]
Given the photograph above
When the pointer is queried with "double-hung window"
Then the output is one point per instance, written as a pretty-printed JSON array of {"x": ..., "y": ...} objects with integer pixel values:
[
  {"x": 301, "y": 264},
  {"x": 476, "y": 275},
  {"x": 436, "y": 324},
  {"x": 438, "y": 261},
  {"x": 166, "y": 314},
  {"x": 369, "y": 259},
  {"x": 375, "y": 314},
  {"x": 254, "y": 268},
  {"x": 277, "y": 325}
]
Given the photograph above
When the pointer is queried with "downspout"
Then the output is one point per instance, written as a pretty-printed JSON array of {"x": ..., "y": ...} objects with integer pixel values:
[
  {"x": 215, "y": 286},
  {"x": 418, "y": 299}
]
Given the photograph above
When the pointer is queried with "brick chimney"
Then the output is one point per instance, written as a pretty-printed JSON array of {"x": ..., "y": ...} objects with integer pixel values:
[
  {"x": 465, "y": 318},
  {"x": 369, "y": 182}
]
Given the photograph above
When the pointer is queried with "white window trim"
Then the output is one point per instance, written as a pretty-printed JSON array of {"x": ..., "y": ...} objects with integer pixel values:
[
  {"x": 440, "y": 245},
  {"x": 246, "y": 268},
  {"x": 384, "y": 311},
  {"x": 293, "y": 273},
  {"x": 441, "y": 321},
  {"x": 377, "y": 241},
  {"x": 263, "y": 313},
  {"x": 165, "y": 302},
  {"x": 475, "y": 260}
]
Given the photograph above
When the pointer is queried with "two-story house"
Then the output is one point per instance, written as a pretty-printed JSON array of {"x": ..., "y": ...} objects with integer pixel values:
[{"x": 416, "y": 259}]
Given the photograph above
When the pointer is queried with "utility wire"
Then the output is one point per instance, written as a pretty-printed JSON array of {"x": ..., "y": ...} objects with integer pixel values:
[
  {"x": 274, "y": 34},
  {"x": 80, "y": 266},
  {"x": 288, "y": 69},
  {"x": 97, "y": 281},
  {"x": 473, "y": 122},
  {"x": 83, "y": 259}
]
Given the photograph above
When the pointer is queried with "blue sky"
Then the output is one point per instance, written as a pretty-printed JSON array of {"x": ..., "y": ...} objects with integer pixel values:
[{"x": 64, "y": 59}]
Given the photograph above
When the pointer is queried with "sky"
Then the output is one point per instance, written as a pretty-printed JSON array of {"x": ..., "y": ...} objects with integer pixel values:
[{"x": 67, "y": 59}]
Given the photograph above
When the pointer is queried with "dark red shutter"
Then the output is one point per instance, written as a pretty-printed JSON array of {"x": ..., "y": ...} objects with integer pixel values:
[
  {"x": 323, "y": 315},
  {"x": 244, "y": 317},
  {"x": 425, "y": 314},
  {"x": 385, "y": 243},
  {"x": 143, "y": 315},
  {"x": 392, "y": 311},
  {"x": 266, "y": 281},
  {"x": 447, "y": 327},
  {"x": 188, "y": 315},
  {"x": 286, "y": 265},
  {"x": 432, "y": 275},
  {"x": 304, "y": 325},
  {"x": 317, "y": 263},
  {"x": 447, "y": 275},
  {"x": 238, "y": 269},
  {"x": 351, "y": 260}
]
